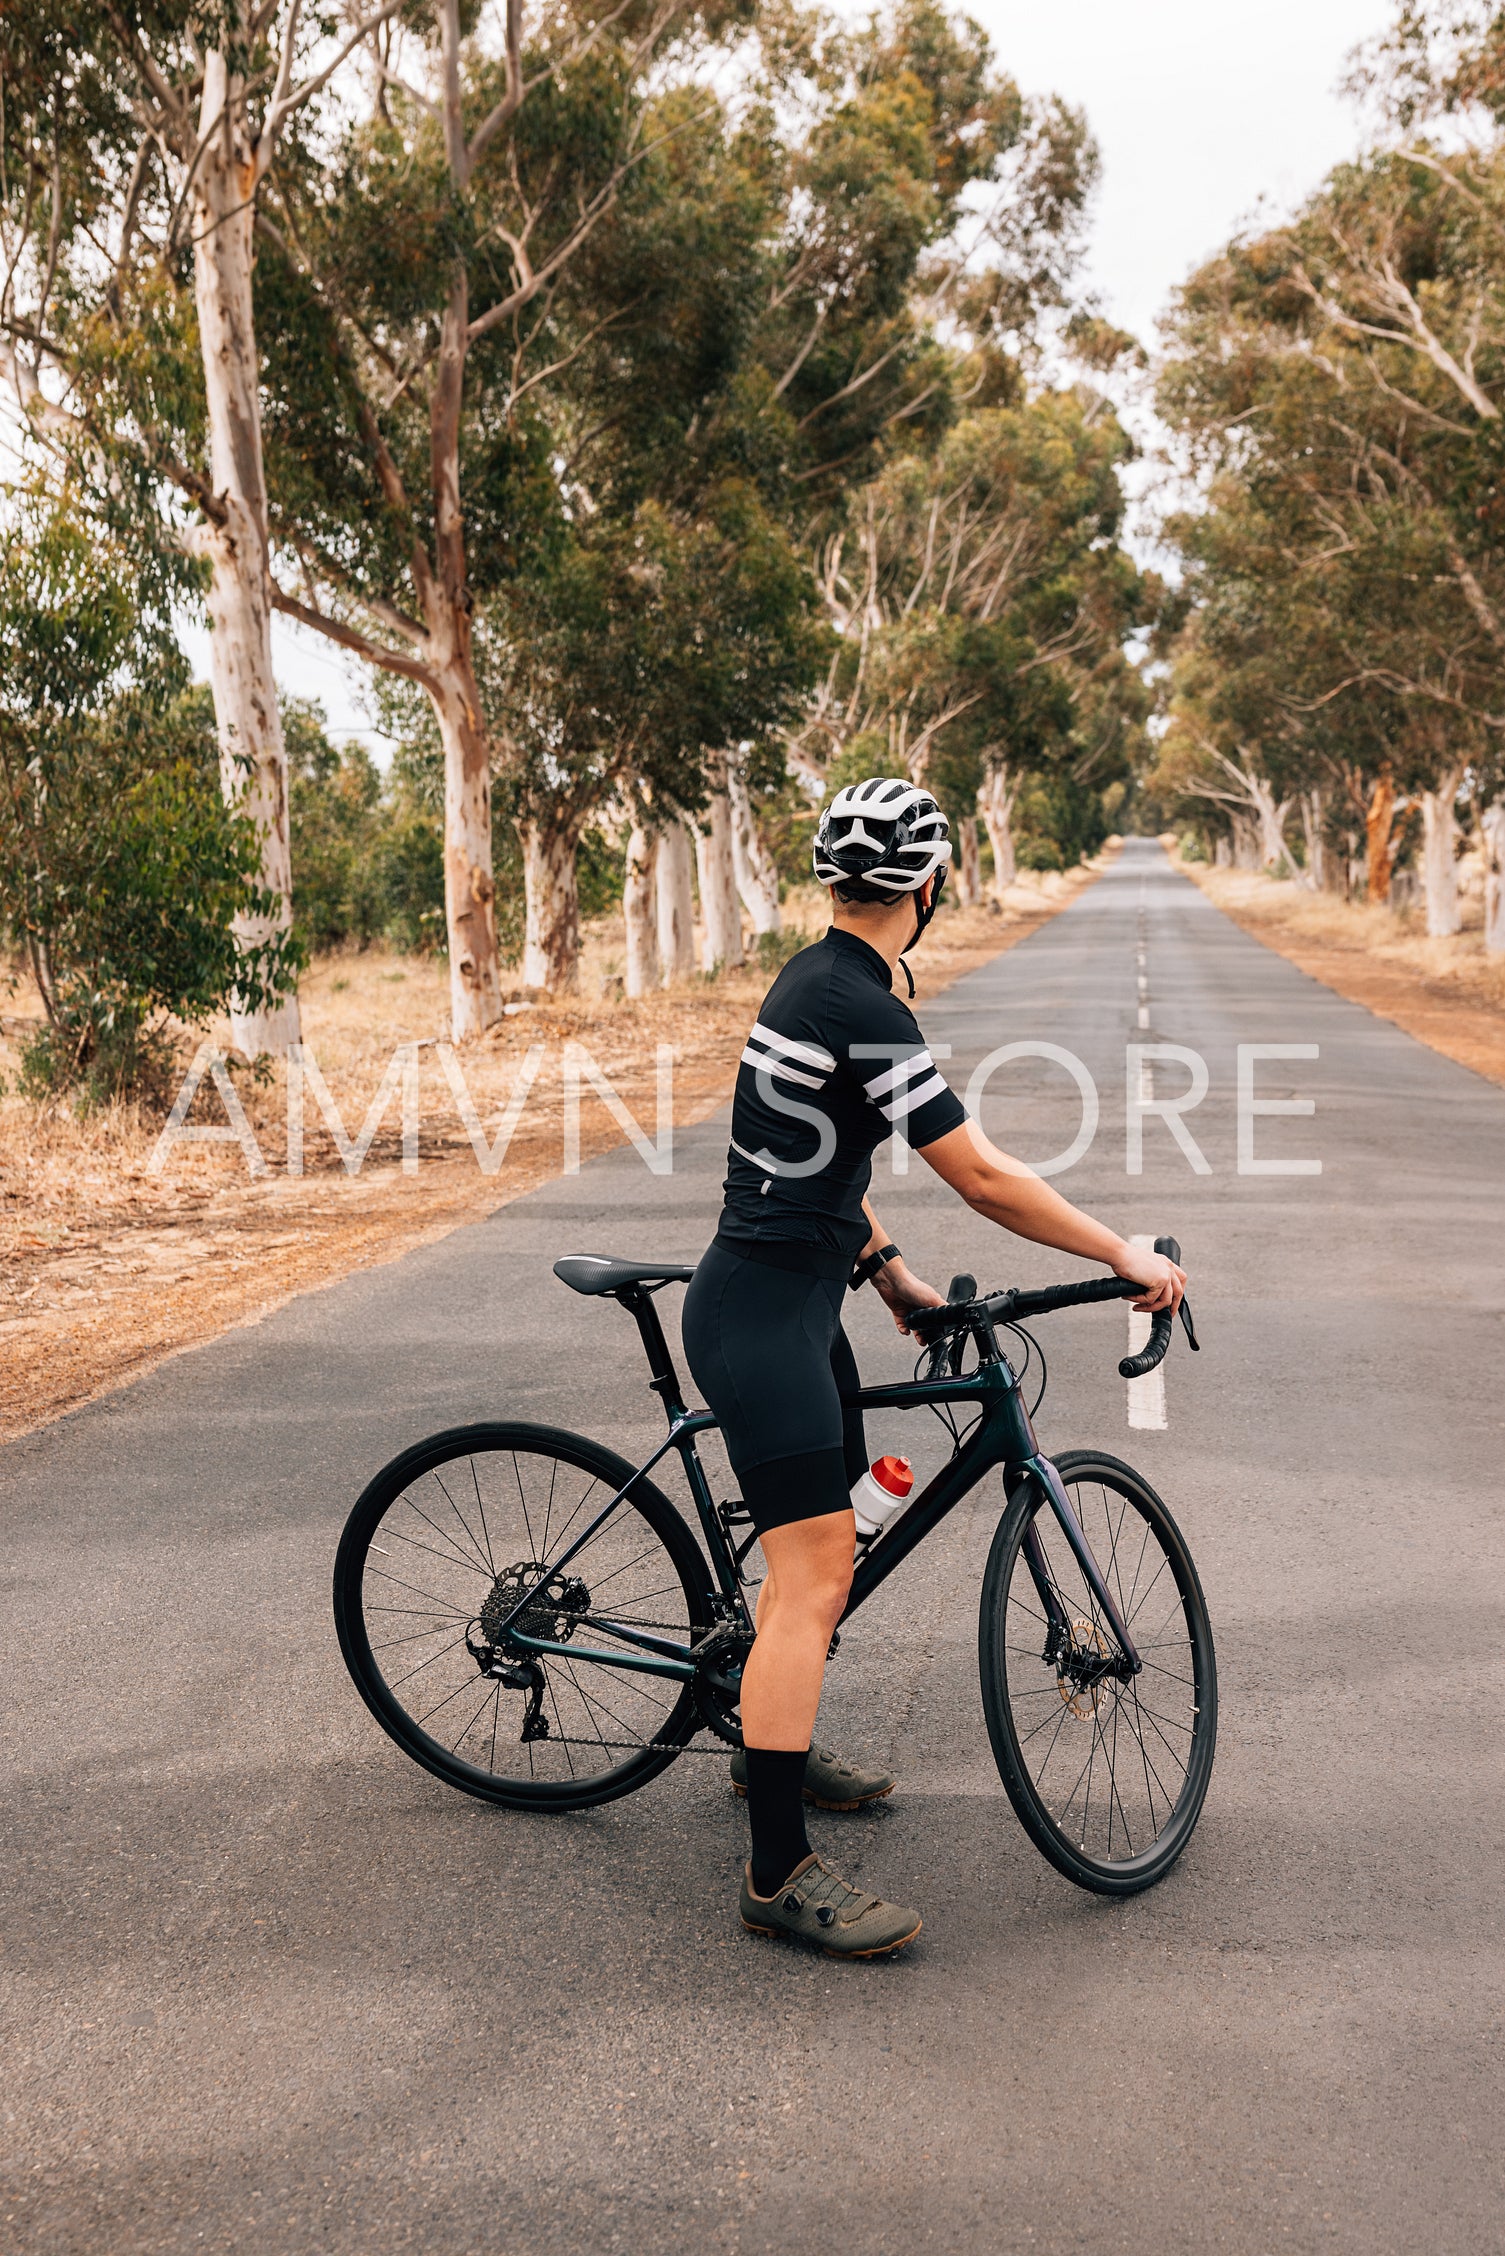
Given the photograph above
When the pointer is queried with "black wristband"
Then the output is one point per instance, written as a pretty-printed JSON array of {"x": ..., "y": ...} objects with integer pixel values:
[{"x": 867, "y": 1268}]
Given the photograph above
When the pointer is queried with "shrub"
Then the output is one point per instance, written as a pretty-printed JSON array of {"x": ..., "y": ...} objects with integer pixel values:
[{"x": 121, "y": 868}]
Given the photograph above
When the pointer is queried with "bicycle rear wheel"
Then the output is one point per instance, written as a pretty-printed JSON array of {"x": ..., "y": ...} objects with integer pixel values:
[
  {"x": 1107, "y": 1776},
  {"x": 435, "y": 1555}
]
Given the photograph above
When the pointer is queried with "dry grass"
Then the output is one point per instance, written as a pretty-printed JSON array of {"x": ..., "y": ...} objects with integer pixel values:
[
  {"x": 1448, "y": 993},
  {"x": 106, "y": 1267},
  {"x": 1459, "y": 965}
]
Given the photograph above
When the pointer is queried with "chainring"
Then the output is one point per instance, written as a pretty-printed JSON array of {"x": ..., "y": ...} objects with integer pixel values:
[{"x": 717, "y": 1685}]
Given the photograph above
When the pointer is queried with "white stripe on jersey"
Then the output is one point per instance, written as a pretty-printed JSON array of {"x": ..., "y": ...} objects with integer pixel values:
[
  {"x": 910, "y": 1100},
  {"x": 807, "y": 1052},
  {"x": 905, "y": 1070},
  {"x": 781, "y": 1066},
  {"x": 752, "y": 1157}
]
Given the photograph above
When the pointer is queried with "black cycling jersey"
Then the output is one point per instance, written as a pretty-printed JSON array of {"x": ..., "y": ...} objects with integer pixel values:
[{"x": 835, "y": 1064}]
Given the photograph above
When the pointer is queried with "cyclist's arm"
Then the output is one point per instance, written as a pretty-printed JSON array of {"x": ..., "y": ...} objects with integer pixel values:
[
  {"x": 896, "y": 1283},
  {"x": 1012, "y": 1195}
]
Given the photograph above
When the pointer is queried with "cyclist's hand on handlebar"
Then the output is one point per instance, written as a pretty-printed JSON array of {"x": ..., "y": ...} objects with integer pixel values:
[
  {"x": 1163, "y": 1282},
  {"x": 903, "y": 1292}
]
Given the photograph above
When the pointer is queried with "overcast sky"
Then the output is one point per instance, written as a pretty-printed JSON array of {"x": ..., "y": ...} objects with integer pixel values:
[{"x": 1200, "y": 108}]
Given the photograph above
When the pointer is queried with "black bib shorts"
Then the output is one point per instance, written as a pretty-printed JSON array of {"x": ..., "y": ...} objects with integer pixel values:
[{"x": 765, "y": 1346}]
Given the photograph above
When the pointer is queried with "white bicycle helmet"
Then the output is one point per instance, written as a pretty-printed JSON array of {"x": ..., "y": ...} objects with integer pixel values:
[{"x": 882, "y": 834}]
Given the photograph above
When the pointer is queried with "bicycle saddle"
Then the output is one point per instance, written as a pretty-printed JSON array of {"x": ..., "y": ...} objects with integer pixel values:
[{"x": 599, "y": 1273}]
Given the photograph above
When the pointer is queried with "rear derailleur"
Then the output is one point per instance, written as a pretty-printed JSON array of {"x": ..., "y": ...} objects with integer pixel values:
[{"x": 555, "y": 1603}]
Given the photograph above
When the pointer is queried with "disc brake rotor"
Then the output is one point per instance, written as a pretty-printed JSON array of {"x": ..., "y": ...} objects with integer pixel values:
[
  {"x": 1079, "y": 1678},
  {"x": 552, "y": 1614}
]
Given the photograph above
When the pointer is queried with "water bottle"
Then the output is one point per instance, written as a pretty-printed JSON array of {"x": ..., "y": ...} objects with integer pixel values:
[{"x": 881, "y": 1495}]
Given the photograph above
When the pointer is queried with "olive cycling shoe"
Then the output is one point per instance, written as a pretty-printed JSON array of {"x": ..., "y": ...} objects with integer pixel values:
[
  {"x": 816, "y": 1905},
  {"x": 829, "y": 1783}
]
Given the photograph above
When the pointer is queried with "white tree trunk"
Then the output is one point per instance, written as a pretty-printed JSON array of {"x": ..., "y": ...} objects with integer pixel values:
[
  {"x": 676, "y": 910},
  {"x": 1316, "y": 843},
  {"x": 968, "y": 862},
  {"x": 757, "y": 878},
  {"x": 1222, "y": 853},
  {"x": 551, "y": 928},
  {"x": 1439, "y": 857},
  {"x": 1245, "y": 840},
  {"x": 995, "y": 803},
  {"x": 1492, "y": 824},
  {"x": 720, "y": 912},
  {"x": 253, "y": 757},
  {"x": 1271, "y": 816},
  {"x": 475, "y": 980},
  {"x": 475, "y": 983},
  {"x": 638, "y": 910}
]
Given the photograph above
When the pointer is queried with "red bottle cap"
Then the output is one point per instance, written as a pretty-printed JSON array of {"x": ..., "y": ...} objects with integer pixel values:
[{"x": 894, "y": 1474}]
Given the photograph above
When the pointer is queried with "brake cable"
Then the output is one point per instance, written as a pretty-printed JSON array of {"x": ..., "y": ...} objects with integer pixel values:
[{"x": 1032, "y": 1351}]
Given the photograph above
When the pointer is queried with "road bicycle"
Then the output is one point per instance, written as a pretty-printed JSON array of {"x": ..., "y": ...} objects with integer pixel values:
[{"x": 531, "y": 1619}]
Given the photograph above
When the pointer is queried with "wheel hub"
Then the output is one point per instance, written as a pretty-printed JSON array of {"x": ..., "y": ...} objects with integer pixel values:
[
  {"x": 551, "y": 1615},
  {"x": 1082, "y": 1662}
]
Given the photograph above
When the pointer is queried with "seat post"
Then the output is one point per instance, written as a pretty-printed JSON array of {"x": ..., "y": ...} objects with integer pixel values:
[{"x": 665, "y": 1379}]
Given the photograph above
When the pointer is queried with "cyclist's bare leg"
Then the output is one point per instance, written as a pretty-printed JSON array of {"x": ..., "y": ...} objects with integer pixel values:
[{"x": 801, "y": 1601}]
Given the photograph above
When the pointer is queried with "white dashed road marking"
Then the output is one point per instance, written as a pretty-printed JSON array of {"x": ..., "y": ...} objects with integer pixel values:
[{"x": 1146, "y": 1395}]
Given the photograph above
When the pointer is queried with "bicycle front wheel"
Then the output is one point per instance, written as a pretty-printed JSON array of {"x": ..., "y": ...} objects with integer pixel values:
[
  {"x": 1106, "y": 1775},
  {"x": 434, "y": 1559}
]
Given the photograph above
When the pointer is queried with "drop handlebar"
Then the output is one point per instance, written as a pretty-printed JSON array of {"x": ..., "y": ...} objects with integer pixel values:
[{"x": 964, "y": 1310}]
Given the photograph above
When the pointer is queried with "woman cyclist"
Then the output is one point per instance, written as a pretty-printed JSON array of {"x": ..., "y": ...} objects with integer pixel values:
[{"x": 835, "y": 1064}]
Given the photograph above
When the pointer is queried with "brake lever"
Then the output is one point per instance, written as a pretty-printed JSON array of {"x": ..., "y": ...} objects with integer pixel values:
[
  {"x": 961, "y": 1288},
  {"x": 1191, "y": 1338}
]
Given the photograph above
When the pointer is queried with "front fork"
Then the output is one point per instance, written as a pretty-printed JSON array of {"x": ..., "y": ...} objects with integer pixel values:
[{"x": 1034, "y": 1554}]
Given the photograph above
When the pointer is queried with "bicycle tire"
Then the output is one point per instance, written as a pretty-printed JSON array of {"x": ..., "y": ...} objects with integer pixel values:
[
  {"x": 1065, "y": 1846},
  {"x": 388, "y": 1491}
]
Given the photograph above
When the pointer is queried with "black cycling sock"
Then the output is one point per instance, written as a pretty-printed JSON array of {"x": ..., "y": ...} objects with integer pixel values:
[{"x": 776, "y": 1813}]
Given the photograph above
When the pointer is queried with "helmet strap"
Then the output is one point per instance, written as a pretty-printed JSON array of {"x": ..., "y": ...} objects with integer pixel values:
[{"x": 921, "y": 918}]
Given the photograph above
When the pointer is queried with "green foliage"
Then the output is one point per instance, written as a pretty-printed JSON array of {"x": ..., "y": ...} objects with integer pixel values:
[
  {"x": 1337, "y": 385},
  {"x": 121, "y": 867},
  {"x": 774, "y": 949},
  {"x": 738, "y": 341},
  {"x": 1058, "y": 822},
  {"x": 647, "y": 644},
  {"x": 339, "y": 827}
]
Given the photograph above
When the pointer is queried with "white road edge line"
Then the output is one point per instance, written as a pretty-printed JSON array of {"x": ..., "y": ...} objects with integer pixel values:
[{"x": 1147, "y": 1395}]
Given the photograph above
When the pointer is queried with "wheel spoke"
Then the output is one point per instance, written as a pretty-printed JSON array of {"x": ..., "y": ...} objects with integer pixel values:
[
  {"x": 526, "y": 1503},
  {"x": 475, "y": 1557},
  {"x": 1103, "y": 1811},
  {"x": 450, "y": 1558}
]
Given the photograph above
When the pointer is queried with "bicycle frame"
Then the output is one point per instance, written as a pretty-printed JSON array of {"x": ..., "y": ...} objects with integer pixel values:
[{"x": 1003, "y": 1438}]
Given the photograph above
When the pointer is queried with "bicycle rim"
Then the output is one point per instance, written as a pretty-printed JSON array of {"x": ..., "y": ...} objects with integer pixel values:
[
  {"x": 1108, "y": 1777},
  {"x": 435, "y": 1556}
]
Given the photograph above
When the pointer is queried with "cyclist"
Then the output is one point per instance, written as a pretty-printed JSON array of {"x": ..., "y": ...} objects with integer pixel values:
[{"x": 835, "y": 1064}]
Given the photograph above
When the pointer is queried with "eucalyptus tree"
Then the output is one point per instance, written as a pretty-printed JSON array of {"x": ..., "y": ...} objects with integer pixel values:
[
  {"x": 977, "y": 593},
  {"x": 137, "y": 141},
  {"x": 621, "y": 288},
  {"x": 1340, "y": 381},
  {"x": 646, "y": 644}
]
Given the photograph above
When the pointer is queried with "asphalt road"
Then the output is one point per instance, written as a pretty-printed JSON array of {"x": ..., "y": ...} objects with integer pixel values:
[{"x": 269, "y": 1987}]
